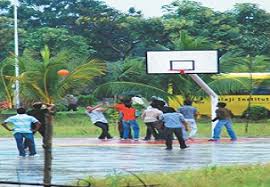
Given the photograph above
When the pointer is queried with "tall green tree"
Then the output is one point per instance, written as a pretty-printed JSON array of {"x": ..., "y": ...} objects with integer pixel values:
[
  {"x": 6, "y": 36},
  {"x": 113, "y": 35},
  {"x": 57, "y": 39},
  {"x": 196, "y": 17},
  {"x": 254, "y": 26},
  {"x": 118, "y": 37},
  {"x": 244, "y": 28}
]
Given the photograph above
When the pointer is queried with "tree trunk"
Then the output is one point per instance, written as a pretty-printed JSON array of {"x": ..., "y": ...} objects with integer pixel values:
[{"x": 48, "y": 152}]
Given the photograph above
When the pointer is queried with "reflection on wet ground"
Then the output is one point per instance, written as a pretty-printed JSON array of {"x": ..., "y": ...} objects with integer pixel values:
[{"x": 78, "y": 158}]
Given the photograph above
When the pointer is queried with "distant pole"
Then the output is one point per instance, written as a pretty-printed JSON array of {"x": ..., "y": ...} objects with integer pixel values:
[
  {"x": 16, "y": 49},
  {"x": 249, "y": 19}
]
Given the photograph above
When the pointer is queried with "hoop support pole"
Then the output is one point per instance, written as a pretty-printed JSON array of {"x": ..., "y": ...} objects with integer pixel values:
[{"x": 211, "y": 93}]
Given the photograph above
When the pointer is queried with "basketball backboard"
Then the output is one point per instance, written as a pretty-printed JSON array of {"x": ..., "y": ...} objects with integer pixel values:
[{"x": 190, "y": 62}]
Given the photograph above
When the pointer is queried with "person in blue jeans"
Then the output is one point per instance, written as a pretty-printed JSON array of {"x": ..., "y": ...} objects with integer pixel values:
[
  {"x": 223, "y": 115},
  {"x": 22, "y": 130},
  {"x": 129, "y": 119}
]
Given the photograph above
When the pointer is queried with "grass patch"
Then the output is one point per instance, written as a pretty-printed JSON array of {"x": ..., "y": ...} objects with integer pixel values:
[
  {"x": 77, "y": 124},
  {"x": 248, "y": 176}
]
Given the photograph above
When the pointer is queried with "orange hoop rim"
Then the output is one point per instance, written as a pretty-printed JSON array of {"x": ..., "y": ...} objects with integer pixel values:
[{"x": 180, "y": 71}]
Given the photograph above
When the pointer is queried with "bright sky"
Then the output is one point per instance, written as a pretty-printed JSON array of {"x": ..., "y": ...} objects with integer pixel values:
[{"x": 152, "y": 8}]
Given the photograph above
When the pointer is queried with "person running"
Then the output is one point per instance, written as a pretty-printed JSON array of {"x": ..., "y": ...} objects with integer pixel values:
[
  {"x": 223, "y": 115},
  {"x": 98, "y": 119},
  {"x": 129, "y": 119},
  {"x": 190, "y": 114},
  {"x": 150, "y": 118},
  {"x": 174, "y": 122},
  {"x": 22, "y": 130}
]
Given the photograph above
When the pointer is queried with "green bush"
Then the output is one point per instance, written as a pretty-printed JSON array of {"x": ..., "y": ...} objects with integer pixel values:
[
  {"x": 256, "y": 113},
  {"x": 85, "y": 100},
  {"x": 60, "y": 107}
]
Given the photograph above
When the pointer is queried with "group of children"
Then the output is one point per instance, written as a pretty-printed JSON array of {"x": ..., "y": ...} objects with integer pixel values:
[{"x": 161, "y": 121}]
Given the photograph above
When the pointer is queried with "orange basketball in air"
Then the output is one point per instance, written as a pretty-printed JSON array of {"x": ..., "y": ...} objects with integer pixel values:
[{"x": 63, "y": 72}]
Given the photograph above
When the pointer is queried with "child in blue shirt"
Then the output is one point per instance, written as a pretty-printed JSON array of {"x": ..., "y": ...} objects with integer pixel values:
[
  {"x": 174, "y": 122},
  {"x": 22, "y": 130}
]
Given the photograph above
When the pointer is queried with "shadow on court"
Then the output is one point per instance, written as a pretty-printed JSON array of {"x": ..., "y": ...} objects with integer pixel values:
[{"x": 77, "y": 158}]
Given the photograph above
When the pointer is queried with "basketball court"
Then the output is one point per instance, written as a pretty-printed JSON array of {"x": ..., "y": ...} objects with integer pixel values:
[{"x": 77, "y": 158}]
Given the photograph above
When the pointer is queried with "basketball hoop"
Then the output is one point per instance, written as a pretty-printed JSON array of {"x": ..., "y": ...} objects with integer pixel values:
[{"x": 181, "y": 71}]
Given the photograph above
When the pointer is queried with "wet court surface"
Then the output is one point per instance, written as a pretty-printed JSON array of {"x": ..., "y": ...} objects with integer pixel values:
[{"x": 78, "y": 158}]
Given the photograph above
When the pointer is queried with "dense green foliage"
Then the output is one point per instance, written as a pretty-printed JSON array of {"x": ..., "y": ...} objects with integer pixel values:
[
  {"x": 84, "y": 29},
  {"x": 115, "y": 35}
]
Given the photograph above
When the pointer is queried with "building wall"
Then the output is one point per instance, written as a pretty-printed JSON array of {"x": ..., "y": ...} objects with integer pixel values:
[{"x": 236, "y": 103}]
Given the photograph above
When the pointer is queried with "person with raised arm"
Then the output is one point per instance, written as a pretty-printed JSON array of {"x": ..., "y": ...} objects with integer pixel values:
[{"x": 98, "y": 119}]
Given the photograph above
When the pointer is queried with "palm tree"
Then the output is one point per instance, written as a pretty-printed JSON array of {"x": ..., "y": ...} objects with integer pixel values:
[{"x": 39, "y": 78}]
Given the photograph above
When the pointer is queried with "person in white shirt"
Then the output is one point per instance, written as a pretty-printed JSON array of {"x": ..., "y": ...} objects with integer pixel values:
[
  {"x": 150, "y": 118},
  {"x": 98, "y": 119},
  {"x": 22, "y": 130}
]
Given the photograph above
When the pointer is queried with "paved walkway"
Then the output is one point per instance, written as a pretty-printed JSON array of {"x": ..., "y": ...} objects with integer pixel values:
[{"x": 76, "y": 158}]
